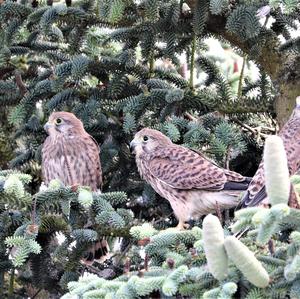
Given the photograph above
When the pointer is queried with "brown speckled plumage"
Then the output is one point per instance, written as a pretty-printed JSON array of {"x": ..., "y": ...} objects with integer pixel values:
[
  {"x": 193, "y": 184},
  {"x": 70, "y": 154},
  {"x": 290, "y": 134}
]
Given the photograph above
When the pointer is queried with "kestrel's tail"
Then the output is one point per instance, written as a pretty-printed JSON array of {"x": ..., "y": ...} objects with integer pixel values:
[
  {"x": 261, "y": 198},
  {"x": 98, "y": 252},
  {"x": 236, "y": 181},
  {"x": 254, "y": 200},
  {"x": 237, "y": 185}
]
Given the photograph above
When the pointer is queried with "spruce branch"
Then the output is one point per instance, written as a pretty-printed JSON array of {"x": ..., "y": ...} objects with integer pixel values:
[
  {"x": 114, "y": 232},
  {"x": 192, "y": 62}
]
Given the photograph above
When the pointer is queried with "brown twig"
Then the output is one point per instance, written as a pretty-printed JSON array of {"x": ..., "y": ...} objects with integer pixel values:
[
  {"x": 146, "y": 262},
  {"x": 36, "y": 293},
  {"x": 190, "y": 117},
  {"x": 192, "y": 62},
  {"x": 227, "y": 158},
  {"x": 20, "y": 83},
  {"x": 11, "y": 283},
  {"x": 122, "y": 255},
  {"x": 127, "y": 265},
  {"x": 242, "y": 77},
  {"x": 256, "y": 130},
  {"x": 93, "y": 269},
  {"x": 271, "y": 246},
  {"x": 162, "y": 218}
]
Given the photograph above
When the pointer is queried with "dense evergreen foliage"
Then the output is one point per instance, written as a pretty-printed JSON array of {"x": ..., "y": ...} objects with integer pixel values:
[{"x": 118, "y": 66}]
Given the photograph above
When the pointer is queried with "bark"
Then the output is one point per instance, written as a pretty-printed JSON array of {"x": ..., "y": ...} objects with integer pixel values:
[
  {"x": 288, "y": 84},
  {"x": 282, "y": 67}
]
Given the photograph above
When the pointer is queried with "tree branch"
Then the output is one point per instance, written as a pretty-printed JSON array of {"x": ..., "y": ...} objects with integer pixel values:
[
  {"x": 282, "y": 67},
  {"x": 107, "y": 231},
  {"x": 20, "y": 83}
]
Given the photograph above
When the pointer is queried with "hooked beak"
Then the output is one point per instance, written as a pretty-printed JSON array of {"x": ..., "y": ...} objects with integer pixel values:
[
  {"x": 47, "y": 126},
  {"x": 298, "y": 102},
  {"x": 132, "y": 146}
]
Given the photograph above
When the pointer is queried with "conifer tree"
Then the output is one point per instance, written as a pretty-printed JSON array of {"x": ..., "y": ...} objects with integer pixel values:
[{"x": 100, "y": 60}]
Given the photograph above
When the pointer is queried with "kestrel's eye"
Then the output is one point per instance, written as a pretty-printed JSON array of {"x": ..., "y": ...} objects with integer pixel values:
[
  {"x": 145, "y": 138},
  {"x": 58, "y": 121}
]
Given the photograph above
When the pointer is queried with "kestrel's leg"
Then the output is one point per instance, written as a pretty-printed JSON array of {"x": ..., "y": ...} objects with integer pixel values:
[
  {"x": 182, "y": 225},
  {"x": 74, "y": 187},
  {"x": 182, "y": 213}
]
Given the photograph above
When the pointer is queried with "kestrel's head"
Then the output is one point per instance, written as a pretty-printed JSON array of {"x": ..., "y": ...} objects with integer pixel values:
[
  {"x": 63, "y": 123},
  {"x": 296, "y": 112},
  {"x": 147, "y": 140}
]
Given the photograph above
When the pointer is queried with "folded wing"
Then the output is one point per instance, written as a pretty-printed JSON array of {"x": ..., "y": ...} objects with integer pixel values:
[{"x": 182, "y": 168}]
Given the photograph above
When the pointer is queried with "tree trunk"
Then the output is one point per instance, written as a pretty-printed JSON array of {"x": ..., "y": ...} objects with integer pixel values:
[
  {"x": 282, "y": 67},
  {"x": 288, "y": 85}
]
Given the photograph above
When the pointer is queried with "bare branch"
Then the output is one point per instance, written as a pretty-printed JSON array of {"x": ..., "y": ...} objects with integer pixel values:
[{"x": 20, "y": 83}]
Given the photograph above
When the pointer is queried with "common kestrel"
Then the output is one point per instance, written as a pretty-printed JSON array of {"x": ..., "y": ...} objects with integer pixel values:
[
  {"x": 71, "y": 155},
  {"x": 290, "y": 134},
  {"x": 193, "y": 184}
]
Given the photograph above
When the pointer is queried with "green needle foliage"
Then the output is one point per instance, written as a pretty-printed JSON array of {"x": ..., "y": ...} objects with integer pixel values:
[
  {"x": 184, "y": 263},
  {"x": 120, "y": 66}
]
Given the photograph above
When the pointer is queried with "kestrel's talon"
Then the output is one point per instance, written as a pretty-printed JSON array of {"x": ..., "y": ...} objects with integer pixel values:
[
  {"x": 74, "y": 187},
  {"x": 182, "y": 226}
]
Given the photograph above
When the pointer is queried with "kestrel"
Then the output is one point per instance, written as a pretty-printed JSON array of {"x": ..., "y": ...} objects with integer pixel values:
[
  {"x": 290, "y": 134},
  {"x": 71, "y": 155},
  {"x": 193, "y": 184}
]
